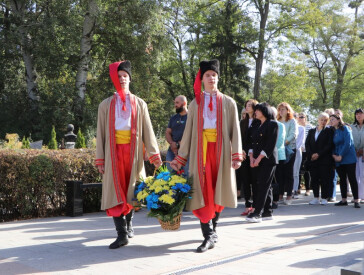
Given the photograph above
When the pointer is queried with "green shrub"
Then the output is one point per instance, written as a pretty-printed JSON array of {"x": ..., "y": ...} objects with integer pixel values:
[
  {"x": 80, "y": 141},
  {"x": 53, "y": 142},
  {"x": 33, "y": 181},
  {"x": 25, "y": 143}
]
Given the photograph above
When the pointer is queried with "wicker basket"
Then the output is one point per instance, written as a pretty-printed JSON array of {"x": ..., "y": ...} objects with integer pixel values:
[{"x": 171, "y": 225}]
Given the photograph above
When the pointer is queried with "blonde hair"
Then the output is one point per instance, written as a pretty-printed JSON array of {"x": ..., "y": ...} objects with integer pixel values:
[
  {"x": 330, "y": 111},
  {"x": 325, "y": 115},
  {"x": 290, "y": 112}
]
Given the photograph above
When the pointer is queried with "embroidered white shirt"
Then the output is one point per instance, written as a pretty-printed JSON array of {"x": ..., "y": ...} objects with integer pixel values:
[
  {"x": 122, "y": 118},
  {"x": 209, "y": 117}
]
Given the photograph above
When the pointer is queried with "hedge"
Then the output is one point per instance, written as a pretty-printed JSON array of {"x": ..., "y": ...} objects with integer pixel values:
[{"x": 32, "y": 182}]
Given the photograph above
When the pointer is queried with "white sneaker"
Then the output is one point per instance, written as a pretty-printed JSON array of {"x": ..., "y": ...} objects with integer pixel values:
[
  {"x": 324, "y": 202},
  {"x": 288, "y": 202},
  {"x": 254, "y": 219},
  {"x": 315, "y": 201}
]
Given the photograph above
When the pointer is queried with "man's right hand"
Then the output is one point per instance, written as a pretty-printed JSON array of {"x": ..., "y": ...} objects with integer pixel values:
[
  {"x": 175, "y": 165},
  {"x": 101, "y": 168}
]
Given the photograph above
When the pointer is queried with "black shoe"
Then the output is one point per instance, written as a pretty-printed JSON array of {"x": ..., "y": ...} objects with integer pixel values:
[
  {"x": 254, "y": 218},
  {"x": 208, "y": 233},
  {"x": 274, "y": 205},
  {"x": 356, "y": 205},
  {"x": 214, "y": 224},
  {"x": 129, "y": 224},
  {"x": 206, "y": 245},
  {"x": 122, "y": 239},
  {"x": 267, "y": 216},
  {"x": 341, "y": 203}
]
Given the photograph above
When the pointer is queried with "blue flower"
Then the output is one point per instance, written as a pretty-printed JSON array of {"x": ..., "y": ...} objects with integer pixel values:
[
  {"x": 163, "y": 175},
  {"x": 152, "y": 200},
  {"x": 183, "y": 187},
  {"x": 141, "y": 186}
]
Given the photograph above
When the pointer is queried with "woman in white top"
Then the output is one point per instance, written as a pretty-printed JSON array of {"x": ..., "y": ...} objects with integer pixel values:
[
  {"x": 302, "y": 120},
  {"x": 297, "y": 163},
  {"x": 358, "y": 136}
]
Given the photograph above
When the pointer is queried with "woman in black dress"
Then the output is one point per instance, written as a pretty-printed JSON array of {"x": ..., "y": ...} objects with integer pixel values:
[
  {"x": 244, "y": 173},
  {"x": 263, "y": 159}
]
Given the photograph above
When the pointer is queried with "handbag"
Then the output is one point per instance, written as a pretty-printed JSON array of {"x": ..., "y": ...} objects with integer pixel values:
[{"x": 289, "y": 153}]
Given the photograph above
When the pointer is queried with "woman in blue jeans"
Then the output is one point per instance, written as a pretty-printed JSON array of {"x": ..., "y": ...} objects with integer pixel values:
[{"x": 345, "y": 159}]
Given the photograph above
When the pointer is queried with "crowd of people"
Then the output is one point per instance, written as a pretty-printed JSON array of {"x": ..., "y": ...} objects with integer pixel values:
[
  {"x": 322, "y": 155},
  {"x": 268, "y": 151}
]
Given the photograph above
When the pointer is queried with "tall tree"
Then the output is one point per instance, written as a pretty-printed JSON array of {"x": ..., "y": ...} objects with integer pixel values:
[
  {"x": 332, "y": 48},
  {"x": 23, "y": 13},
  {"x": 88, "y": 29},
  {"x": 271, "y": 20}
]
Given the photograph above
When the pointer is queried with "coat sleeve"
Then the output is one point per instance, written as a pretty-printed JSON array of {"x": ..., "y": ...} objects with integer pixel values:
[
  {"x": 148, "y": 137},
  {"x": 235, "y": 135},
  {"x": 101, "y": 135},
  {"x": 292, "y": 131},
  {"x": 327, "y": 148},
  {"x": 346, "y": 146},
  {"x": 271, "y": 140},
  {"x": 185, "y": 144},
  {"x": 281, "y": 135},
  {"x": 308, "y": 143}
]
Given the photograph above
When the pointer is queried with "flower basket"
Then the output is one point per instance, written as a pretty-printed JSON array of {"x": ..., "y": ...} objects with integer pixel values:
[
  {"x": 165, "y": 195},
  {"x": 171, "y": 225}
]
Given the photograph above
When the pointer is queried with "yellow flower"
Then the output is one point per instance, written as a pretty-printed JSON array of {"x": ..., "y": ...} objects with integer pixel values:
[
  {"x": 156, "y": 184},
  {"x": 167, "y": 199},
  {"x": 176, "y": 179},
  {"x": 142, "y": 195},
  {"x": 161, "y": 188},
  {"x": 149, "y": 180}
]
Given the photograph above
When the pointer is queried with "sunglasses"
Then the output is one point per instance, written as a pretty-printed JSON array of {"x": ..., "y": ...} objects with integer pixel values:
[{"x": 302, "y": 117}]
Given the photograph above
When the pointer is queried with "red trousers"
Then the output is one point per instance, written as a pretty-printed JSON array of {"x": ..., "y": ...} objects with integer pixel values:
[
  {"x": 206, "y": 213},
  {"x": 124, "y": 167}
]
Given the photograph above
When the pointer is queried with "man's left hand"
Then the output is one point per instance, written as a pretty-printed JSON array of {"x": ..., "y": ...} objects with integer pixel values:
[{"x": 236, "y": 164}]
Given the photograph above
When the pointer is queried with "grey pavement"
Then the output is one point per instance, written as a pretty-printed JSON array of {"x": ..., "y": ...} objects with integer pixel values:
[{"x": 301, "y": 239}]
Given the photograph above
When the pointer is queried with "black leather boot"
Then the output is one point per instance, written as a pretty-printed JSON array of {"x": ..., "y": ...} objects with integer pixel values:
[
  {"x": 207, "y": 232},
  {"x": 214, "y": 224},
  {"x": 129, "y": 223},
  {"x": 122, "y": 239}
]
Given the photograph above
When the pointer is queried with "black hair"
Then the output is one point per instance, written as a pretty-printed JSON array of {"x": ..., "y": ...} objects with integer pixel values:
[
  {"x": 360, "y": 110},
  {"x": 266, "y": 110}
]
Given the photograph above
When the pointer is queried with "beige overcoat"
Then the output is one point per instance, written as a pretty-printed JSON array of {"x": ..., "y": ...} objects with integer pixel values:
[
  {"x": 229, "y": 148},
  {"x": 141, "y": 132}
]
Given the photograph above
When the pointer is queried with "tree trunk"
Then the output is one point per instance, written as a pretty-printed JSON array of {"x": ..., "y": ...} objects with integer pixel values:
[
  {"x": 258, "y": 75},
  {"x": 26, "y": 50},
  {"x": 264, "y": 11},
  {"x": 338, "y": 90},
  {"x": 183, "y": 71},
  {"x": 321, "y": 76},
  {"x": 85, "y": 48}
]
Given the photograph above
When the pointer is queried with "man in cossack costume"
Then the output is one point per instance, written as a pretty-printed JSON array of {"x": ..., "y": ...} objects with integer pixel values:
[
  {"x": 123, "y": 126},
  {"x": 212, "y": 143}
]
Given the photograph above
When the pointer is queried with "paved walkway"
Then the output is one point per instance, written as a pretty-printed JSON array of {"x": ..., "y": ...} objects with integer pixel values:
[{"x": 302, "y": 239}]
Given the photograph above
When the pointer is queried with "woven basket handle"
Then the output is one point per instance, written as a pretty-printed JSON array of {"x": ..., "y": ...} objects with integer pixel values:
[{"x": 155, "y": 169}]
